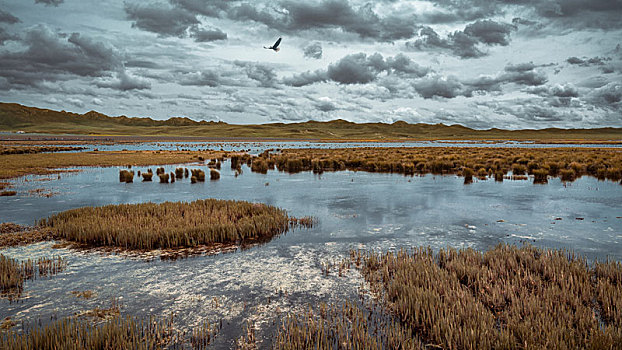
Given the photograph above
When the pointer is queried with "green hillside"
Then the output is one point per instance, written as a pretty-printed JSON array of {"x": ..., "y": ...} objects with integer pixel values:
[{"x": 14, "y": 117}]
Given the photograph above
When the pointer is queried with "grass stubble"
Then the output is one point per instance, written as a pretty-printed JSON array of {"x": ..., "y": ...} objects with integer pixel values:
[{"x": 505, "y": 298}]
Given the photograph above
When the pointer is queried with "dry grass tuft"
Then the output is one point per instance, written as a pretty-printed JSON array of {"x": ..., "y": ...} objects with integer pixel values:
[{"x": 170, "y": 224}]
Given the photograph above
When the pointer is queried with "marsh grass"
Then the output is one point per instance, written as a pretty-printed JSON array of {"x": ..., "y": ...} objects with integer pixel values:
[
  {"x": 504, "y": 298},
  {"x": 214, "y": 174},
  {"x": 13, "y": 235},
  {"x": 147, "y": 176},
  {"x": 198, "y": 174},
  {"x": 14, "y": 165},
  {"x": 76, "y": 333},
  {"x": 179, "y": 173},
  {"x": 163, "y": 178},
  {"x": 150, "y": 226},
  {"x": 346, "y": 326},
  {"x": 568, "y": 163},
  {"x": 37, "y": 149},
  {"x": 13, "y": 273},
  {"x": 126, "y": 176},
  {"x": 7, "y": 193}
]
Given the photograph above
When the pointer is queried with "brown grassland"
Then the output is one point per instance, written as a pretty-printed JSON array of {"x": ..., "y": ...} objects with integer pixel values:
[
  {"x": 567, "y": 163},
  {"x": 14, "y": 117},
  {"x": 148, "y": 226},
  {"x": 14, "y": 165},
  {"x": 35, "y": 149},
  {"x": 505, "y": 298}
]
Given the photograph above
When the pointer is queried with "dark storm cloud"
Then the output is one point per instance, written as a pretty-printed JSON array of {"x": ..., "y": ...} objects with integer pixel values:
[
  {"x": 6, "y": 17},
  {"x": 464, "y": 43},
  {"x": 211, "y": 8},
  {"x": 313, "y": 50},
  {"x": 264, "y": 74},
  {"x": 124, "y": 82},
  {"x": 586, "y": 62},
  {"x": 325, "y": 105},
  {"x": 205, "y": 35},
  {"x": 490, "y": 32},
  {"x": 448, "y": 87},
  {"x": 568, "y": 13},
  {"x": 160, "y": 18},
  {"x": 6, "y": 36},
  {"x": 359, "y": 69},
  {"x": 52, "y": 56},
  {"x": 204, "y": 78},
  {"x": 306, "y": 78},
  {"x": 523, "y": 74},
  {"x": 49, "y": 2},
  {"x": 609, "y": 95},
  {"x": 328, "y": 14}
]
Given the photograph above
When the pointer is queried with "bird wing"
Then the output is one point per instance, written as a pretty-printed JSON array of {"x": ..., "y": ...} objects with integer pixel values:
[{"x": 276, "y": 44}]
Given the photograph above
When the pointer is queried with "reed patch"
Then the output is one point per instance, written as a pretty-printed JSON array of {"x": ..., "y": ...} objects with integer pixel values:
[{"x": 166, "y": 225}]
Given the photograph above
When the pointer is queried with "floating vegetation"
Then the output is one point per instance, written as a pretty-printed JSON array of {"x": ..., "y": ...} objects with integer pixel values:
[
  {"x": 504, "y": 298},
  {"x": 126, "y": 176},
  {"x": 170, "y": 224},
  {"x": 13, "y": 273},
  {"x": 567, "y": 163},
  {"x": 6, "y": 193}
]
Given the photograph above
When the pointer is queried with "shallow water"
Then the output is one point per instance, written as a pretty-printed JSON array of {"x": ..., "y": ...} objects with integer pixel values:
[
  {"x": 258, "y": 147},
  {"x": 355, "y": 210}
]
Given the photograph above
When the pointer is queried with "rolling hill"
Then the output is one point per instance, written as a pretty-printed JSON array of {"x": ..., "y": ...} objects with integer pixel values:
[{"x": 14, "y": 117}]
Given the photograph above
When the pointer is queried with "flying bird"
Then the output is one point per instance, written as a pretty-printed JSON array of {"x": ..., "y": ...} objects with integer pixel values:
[{"x": 274, "y": 47}]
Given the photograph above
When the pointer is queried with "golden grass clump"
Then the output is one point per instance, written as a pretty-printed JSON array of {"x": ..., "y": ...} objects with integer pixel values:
[
  {"x": 169, "y": 224},
  {"x": 126, "y": 176},
  {"x": 163, "y": 178},
  {"x": 505, "y": 298},
  {"x": 147, "y": 176},
  {"x": 172, "y": 176},
  {"x": 179, "y": 173},
  {"x": 214, "y": 174},
  {"x": 598, "y": 162},
  {"x": 468, "y": 175},
  {"x": 540, "y": 176},
  {"x": 198, "y": 174}
]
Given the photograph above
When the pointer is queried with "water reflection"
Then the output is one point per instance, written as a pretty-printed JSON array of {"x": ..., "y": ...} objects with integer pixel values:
[{"x": 356, "y": 210}]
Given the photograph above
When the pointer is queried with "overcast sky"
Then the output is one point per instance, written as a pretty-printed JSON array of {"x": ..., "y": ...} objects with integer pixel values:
[{"x": 478, "y": 63}]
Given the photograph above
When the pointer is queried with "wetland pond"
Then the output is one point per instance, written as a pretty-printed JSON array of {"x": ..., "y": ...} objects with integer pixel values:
[{"x": 354, "y": 210}]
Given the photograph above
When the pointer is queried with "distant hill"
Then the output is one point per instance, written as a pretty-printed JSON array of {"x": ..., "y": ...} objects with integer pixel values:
[{"x": 14, "y": 117}]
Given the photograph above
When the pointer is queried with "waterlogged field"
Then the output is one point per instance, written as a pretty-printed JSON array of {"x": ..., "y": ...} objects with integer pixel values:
[{"x": 246, "y": 292}]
